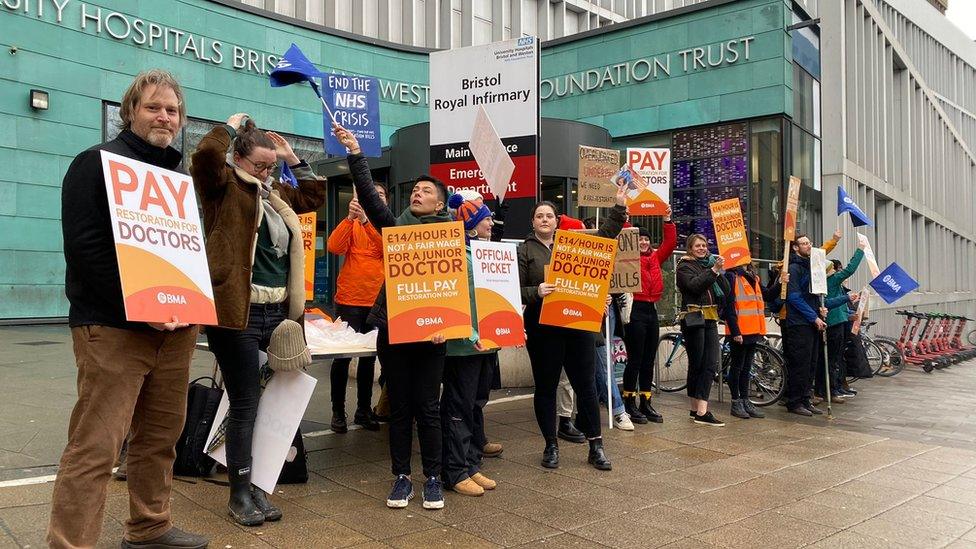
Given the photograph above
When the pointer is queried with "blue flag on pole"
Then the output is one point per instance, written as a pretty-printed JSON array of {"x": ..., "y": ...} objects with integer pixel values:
[
  {"x": 893, "y": 283},
  {"x": 846, "y": 204},
  {"x": 287, "y": 176},
  {"x": 293, "y": 67},
  {"x": 355, "y": 104}
]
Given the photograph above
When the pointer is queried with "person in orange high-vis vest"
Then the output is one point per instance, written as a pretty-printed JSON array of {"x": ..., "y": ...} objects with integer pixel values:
[{"x": 745, "y": 323}]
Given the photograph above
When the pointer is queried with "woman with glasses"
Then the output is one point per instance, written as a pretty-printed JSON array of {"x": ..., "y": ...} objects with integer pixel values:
[{"x": 256, "y": 256}]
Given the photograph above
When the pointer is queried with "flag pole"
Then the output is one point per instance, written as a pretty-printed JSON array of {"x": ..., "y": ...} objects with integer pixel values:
[
  {"x": 607, "y": 342},
  {"x": 315, "y": 88}
]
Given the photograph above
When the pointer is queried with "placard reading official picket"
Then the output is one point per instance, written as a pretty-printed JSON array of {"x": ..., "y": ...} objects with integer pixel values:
[
  {"x": 580, "y": 269},
  {"x": 496, "y": 293},
  {"x": 158, "y": 242},
  {"x": 596, "y": 170},
  {"x": 502, "y": 78},
  {"x": 654, "y": 166},
  {"x": 426, "y": 282},
  {"x": 730, "y": 232}
]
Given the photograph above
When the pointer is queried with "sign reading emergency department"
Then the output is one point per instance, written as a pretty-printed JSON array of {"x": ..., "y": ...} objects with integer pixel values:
[
  {"x": 308, "y": 244},
  {"x": 580, "y": 269},
  {"x": 426, "y": 282},
  {"x": 158, "y": 242},
  {"x": 502, "y": 78},
  {"x": 730, "y": 232},
  {"x": 649, "y": 194},
  {"x": 496, "y": 294}
]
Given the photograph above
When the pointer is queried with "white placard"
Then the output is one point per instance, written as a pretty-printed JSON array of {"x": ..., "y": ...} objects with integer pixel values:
[
  {"x": 818, "y": 271},
  {"x": 490, "y": 153},
  {"x": 869, "y": 256}
]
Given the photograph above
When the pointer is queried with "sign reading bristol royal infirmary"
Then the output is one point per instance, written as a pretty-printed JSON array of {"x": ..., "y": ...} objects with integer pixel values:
[{"x": 503, "y": 79}]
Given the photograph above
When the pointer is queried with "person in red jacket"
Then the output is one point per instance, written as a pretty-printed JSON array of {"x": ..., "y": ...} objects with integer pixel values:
[
  {"x": 642, "y": 332},
  {"x": 360, "y": 279}
]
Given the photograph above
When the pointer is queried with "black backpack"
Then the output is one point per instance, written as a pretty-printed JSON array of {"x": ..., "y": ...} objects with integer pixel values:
[{"x": 202, "y": 401}]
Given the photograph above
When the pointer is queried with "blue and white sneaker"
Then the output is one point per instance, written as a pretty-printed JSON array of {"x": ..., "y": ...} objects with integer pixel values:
[
  {"x": 401, "y": 493},
  {"x": 433, "y": 494}
]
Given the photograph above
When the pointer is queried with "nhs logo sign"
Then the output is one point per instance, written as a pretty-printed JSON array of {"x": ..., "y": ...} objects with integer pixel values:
[{"x": 526, "y": 41}]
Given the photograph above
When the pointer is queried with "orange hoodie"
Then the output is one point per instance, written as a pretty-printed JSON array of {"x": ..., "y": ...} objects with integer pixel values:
[{"x": 361, "y": 276}]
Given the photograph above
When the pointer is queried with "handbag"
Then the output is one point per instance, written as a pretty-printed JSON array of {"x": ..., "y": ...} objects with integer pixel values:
[
  {"x": 693, "y": 319},
  {"x": 202, "y": 401}
]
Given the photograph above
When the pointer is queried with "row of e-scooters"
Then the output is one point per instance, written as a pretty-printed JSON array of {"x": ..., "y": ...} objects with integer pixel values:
[{"x": 933, "y": 340}]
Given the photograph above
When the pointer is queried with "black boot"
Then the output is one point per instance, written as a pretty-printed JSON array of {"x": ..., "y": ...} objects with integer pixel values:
[
  {"x": 550, "y": 456},
  {"x": 270, "y": 512},
  {"x": 648, "y": 411},
  {"x": 241, "y": 505},
  {"x": 739, "y": 409},
  {"x": 751, "y": 409},
  {"x": 630, "y": 406},
  {"x": 364, "y": 418},
  {"x": 569, "y": 432},
  {"x": 597, "y": 457},
  {"x": 339, "y": 423}
]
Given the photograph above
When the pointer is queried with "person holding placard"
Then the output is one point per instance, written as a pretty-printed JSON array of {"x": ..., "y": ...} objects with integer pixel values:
[
  {"x": 257, "y": 264},
  {"x": 702, "y": 287},
  {"x": 413, "y": 371},
  {"x": 837, "y": 325},
  {"x": 804, "y": 324},
  {"x": 551, "y": 348},
  {"x": 132, "y": 376}
]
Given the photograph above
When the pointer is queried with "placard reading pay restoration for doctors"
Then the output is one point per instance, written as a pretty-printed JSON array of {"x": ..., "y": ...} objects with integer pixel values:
[{"x": 158, "y": 242}]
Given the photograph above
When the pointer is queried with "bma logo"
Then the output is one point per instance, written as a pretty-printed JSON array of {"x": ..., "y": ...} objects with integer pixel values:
[
  {"x": 170, "y": 299},
  {"x": 572, "y": 312},
  {"x": 502, "y": 331},
  {"x": 430, "y": 321},
  {"x": 283, "y": 63},
  {"x": 526, "y": 41},
  {"x": 847, "y": 200},
  {"x": 892, "y": 283}
]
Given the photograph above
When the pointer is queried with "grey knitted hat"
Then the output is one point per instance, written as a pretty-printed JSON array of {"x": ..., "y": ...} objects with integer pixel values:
[{"x": 287, "y": 350}]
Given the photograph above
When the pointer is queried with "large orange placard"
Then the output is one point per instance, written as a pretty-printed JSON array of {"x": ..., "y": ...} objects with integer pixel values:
[
  {"x": 580, "y": 268},
  {"x": 308, "y": 239},
  {"x": 427, "y": 291},
  {"x": 730, "y": 232}
]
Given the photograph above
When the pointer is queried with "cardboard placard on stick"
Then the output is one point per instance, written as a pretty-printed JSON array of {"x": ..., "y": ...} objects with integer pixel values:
[
  {"x": 818, "y": 271},
  {"x": 789, "y": 223},
  {"x": 596, "y": 170}
]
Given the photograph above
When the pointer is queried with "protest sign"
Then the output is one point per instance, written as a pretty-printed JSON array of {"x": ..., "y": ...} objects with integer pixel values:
[
  {"x": 626, "y": 277},
  {"x": 158, "y": 242},
  {"x": 308, "y": 240},
  {"x": 580, "y": 269},
  {"x": 426, "y": 282},
  {"x": 489, "y": 151},
  {"x": 497, "y": 295},
  {"x": 862, "y": 310},
  {"x": 893, "y": 283},
  {"x": 869, "y": 255},
  {"x": 789, "y": 224},
  {"x": 818, "y": 271},
  {"x": 597, "y": 168},
  {"x": 649, "y": 195},
  {"x": 730, "y": 232},
  {"x": 355, "y": 105},
  {"x": 280, "y": 411}
]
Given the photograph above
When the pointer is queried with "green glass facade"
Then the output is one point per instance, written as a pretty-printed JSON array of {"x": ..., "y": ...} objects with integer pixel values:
[{"x": 648, "y": 82}]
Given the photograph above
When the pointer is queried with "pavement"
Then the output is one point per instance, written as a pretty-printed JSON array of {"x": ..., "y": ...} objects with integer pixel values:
[{"x": 895, "y": 468}]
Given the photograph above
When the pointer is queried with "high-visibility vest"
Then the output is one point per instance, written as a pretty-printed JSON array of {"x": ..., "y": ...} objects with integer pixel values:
[{"x": 750, "y": 309}]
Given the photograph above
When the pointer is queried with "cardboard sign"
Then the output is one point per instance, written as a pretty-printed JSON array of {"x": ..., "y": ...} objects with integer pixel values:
[
  {"x": 654, "y": 167},
  {"x": 869, "y": 256},
  {"x": 355, "y": 105},
  {"x": 158, "y": 242},
  {"x": 580, "y": 268},
  {"x": 427, "y": 290},
  {"x": 489, "y": 151},
  {"x": 863, "y": 306},
  {"x": 308, "y": 240},
  {"x": 597, "y": 168},
  {"x": 626, "y": 277},
  {"x": 818, "y": 271},
  {"x": 789, "y": 223},
  {"x": 497, "y": 295},
  {"x": 730, "y": 232},
  {"x": 280, "y": 411}
]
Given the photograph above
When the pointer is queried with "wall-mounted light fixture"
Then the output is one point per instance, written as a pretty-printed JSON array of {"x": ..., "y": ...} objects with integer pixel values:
[{"x": 39, "y": 100}]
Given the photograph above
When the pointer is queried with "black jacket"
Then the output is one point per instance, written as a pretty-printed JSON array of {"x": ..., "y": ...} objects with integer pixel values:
[
  {"x": 91, "y": 278},
  {"x": 695, "y": 280}
]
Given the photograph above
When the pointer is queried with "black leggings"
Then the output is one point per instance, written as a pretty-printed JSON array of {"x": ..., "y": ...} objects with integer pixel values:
[
  {"x": 413, "y": 382},
  {"x": 550, "y": 350},
  {"x": 641, "y": 338},
  {"x": 703, "y": 348},
  {"x": 741, "y": 356},
  {"x": 356, "y": 317}
]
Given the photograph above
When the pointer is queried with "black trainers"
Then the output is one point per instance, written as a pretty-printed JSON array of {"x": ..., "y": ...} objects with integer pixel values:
[
  {"x": 692, "y": 414},
  {"x": 401, "y": 493},
  {"x": 433, "y": 494},
  {"x": 708, "y": 419},
  {"x": 338, "y": 424},
  {"x": 173, "y": 538}
]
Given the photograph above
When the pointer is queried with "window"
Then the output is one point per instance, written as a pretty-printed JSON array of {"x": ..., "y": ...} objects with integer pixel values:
[
  {"x": 763, "y": 209},
  {"x": 806, "y": 100},
  {"x": 806, "y": 166}
]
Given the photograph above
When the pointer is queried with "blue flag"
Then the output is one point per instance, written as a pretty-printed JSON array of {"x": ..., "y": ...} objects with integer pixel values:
[
  {"x": 893, "y": 283},
  {"x": 846, "y": 204},
  {"x": 293, "y": 67},
  {"x": 355, "y": 104},
  {"x": 287, "y": 176}
]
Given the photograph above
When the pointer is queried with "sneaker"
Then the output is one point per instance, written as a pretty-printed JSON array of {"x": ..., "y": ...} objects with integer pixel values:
[
  {"x": 622, "y": 421},
  {"x": 434, "y": 495},
  {"x": 692, "y": 414},
  {"x": 850, "y": 391},
  {"x": 800, "y": 411},
  {"x": 338, "y": 424},
  {"x": 401, "y": 493},
  {"x": 837, "y": 398},
  {"x": 708, "y": 419},
  {"x": 174, "y": 537}
]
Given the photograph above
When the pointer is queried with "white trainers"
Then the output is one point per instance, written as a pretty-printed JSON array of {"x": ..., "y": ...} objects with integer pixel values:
[{"x": 622, "y": 421}]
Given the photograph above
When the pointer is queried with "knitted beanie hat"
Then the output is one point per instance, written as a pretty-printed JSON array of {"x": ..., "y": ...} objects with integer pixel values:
[
  {"x": 287, "y": 350},
  {"x": 471, "y": 212}
]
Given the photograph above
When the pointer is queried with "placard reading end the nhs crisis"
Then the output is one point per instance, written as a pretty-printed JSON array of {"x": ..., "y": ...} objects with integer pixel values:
[
  {"x": 503, "y": 79},
  {"x": 355, "y": 104}
]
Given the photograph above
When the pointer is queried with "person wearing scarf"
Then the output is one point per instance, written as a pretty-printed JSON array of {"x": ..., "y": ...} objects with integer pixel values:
[
  {"x": 413, "y": 371},
  {"x": 702, "y": 287},
  {"x": 256, "y": 258}
]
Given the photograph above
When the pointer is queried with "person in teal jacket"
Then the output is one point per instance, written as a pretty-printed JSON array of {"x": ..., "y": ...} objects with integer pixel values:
[
  {"x": 467, "y": 366},
  {"x": 836, "y": 303}
]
